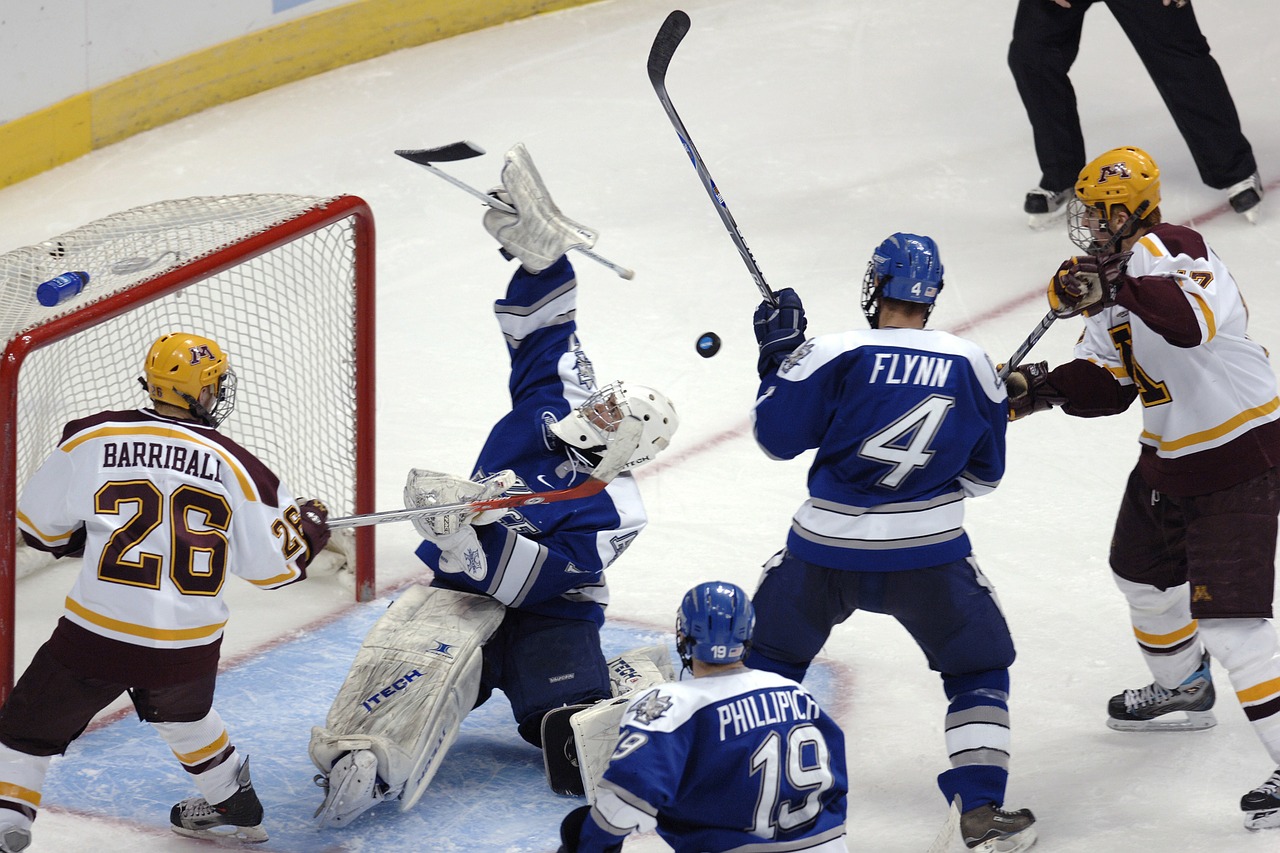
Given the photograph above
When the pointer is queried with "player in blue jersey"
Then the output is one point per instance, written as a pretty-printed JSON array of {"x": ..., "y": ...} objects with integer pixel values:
[
  {"x": 736, "y": 759},
  {"x": 907, "y": 423},
  {"x": 516, "y": 598}
]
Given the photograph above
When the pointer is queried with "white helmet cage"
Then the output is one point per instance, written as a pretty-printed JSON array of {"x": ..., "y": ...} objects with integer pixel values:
[{"x": 590, "y": 426}]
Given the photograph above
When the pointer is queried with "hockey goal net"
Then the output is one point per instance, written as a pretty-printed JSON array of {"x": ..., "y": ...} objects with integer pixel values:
[{"x": 284, "y": 283}]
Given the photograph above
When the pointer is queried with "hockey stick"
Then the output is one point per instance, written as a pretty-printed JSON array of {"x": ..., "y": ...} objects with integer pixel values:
[
  {"x": 942, "y": 843},
  {"x": 425, "y": 157},
  {"x": 623, "y": 442},
  {"x": 669, "y": 36},
  {"x": 1025, "y": 347},
  {"x": 1038, "y": 332}
]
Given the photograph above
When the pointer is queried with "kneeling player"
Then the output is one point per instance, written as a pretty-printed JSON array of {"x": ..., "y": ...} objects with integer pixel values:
[{"x": 517, "y": 599}]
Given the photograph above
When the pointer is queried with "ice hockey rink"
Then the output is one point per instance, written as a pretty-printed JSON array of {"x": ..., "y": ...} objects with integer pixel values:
[{"x": 828, "y": 125}]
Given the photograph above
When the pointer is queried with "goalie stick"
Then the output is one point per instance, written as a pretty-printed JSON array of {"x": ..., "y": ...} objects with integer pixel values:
[
  {"x": 669, "y": 36},
  {"x": 625, "y": 440},
  {"x": 426, "y": 157}
]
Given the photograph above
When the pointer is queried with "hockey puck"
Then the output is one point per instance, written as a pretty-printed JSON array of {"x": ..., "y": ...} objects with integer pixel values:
[{"x": 708, "y": 344}]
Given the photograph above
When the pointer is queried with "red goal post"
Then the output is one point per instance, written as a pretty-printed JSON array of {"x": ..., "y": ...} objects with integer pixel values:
[{"x": 284, "y": 283}]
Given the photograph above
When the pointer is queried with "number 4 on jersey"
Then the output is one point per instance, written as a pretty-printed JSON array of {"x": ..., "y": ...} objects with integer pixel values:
[{"x": 904, "y": 444}]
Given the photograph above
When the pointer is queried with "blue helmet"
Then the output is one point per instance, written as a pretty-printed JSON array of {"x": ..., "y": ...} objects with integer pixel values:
[
  {"x": 714, "y": 624},
  {"x": 905, "y": 267}
]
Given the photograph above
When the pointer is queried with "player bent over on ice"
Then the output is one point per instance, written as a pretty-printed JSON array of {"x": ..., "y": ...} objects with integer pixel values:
[
  {"x": 161, "y": 507},
  {"x": 1195, "y": 538},
  {"x": 734, "y": 759},
  {"x": 907, "y": 423},
  {"x": 517, "y": 596}
]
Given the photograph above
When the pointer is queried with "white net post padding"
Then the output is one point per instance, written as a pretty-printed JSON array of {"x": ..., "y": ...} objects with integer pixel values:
[{"x": 284, "y": 283}]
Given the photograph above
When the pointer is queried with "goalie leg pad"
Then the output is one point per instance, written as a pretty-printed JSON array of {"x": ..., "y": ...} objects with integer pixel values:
[
  {"x": 640, "y": 667},
  {"x": 415, "y": 677}
]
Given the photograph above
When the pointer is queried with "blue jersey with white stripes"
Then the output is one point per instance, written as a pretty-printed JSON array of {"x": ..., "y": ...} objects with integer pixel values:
[
  {"x": 741, "y": 760},
  {"x": 906, "y": 424},
  {"x": 547, "y": 558}
]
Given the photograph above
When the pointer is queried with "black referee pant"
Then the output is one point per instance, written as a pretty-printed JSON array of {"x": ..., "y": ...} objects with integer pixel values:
[{"x": 1046, "y": 39}]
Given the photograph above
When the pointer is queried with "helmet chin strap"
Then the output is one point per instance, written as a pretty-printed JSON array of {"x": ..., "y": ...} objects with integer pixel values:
[{"x": 198, "y": 411}]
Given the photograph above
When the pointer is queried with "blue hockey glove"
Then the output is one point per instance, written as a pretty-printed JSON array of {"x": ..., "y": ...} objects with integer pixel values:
[{"x": 779, "y": 329}]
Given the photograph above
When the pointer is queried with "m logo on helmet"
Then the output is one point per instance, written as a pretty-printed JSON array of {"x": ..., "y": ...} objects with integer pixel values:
[
  {"x": 200, "y": 353},
  {"x": 1114, "y": 170}
]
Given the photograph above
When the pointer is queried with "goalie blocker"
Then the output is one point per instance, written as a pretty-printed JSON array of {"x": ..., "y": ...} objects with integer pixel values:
[{"x": 577, "y": 740}]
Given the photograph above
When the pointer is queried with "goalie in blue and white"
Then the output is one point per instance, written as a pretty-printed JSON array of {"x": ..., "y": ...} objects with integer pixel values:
[
  {"x": 516, "y": 597},
  {"x": 736, "y": 759}
]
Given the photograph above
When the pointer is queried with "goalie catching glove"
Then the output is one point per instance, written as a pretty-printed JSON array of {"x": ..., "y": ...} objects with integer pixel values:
[
  {"x": 537, "y": 234},
  {"x": 1086, "y": 285},
  {"x": 1030, "y": 390}
]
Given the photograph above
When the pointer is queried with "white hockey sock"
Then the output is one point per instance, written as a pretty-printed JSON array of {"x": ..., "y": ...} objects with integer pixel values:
[
  {"x": 1247, "y": 648},
  {"x": 1164, "y": 629},
  {"x": 21, "y": 779},
  {"x": 196, "y": 743}
]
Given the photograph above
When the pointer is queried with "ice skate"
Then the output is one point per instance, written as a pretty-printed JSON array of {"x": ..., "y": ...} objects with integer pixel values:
[
  {"x": 1261, "y": 806},
  {"x": 235, "y": 820},
  {"x": 1140, "y": 710},
  {"x": 1245, "y": 197},
  {"x": 14, "y": 839},
  {"x": 989, "y": 829},
  {"x": 1044, "y": 207},
  {"x": 351, "y": 788}
]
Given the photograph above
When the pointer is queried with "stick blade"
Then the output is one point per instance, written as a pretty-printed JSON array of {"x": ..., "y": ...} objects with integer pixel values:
[
  {"x": 442, "y": 154},
  {"x": 670, "y": 34}
]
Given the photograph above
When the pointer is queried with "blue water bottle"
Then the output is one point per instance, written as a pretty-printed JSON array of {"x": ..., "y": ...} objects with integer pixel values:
[{"x": 61, "y": 288}]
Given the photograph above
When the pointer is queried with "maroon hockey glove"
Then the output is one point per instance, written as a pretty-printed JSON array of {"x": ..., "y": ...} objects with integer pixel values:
[
  {"x": 315, "y": 525},
  {"x": 1087, "y": 284},
  {"x": 1030, "y": 390}
]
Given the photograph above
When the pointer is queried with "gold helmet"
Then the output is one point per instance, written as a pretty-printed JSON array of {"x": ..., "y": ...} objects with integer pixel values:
[
  {"x": 179, "y": 366},
  {"x": 1126, "y": 176}
]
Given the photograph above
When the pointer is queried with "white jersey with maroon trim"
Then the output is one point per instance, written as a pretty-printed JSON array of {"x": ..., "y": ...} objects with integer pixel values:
[
  {"x": 167, "y": 508},
  {"x": 1193, "y": 398}
]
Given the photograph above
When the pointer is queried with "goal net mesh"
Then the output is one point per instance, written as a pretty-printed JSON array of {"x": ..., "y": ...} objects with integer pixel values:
[{"x": 285, "y": 318}]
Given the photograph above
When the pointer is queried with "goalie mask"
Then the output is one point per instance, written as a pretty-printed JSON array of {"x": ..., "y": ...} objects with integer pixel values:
[
  {"x": 905, "y": 267},
  {"x": 588, "y": 427},
  {"x": 1123, "y": 177},
  {"x": 179, "y": 367},
  {"x": 714, "y": 624}
]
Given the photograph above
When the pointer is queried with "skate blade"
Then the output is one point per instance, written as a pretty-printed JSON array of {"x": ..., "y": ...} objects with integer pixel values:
[
  {"x": 1252, "y": 215},
  {"x": 226, "y": 836},
  {"x": 1269, "y": 819},
  {"x": 1195, "y": 721},
  {"x": 1015, "y": 843}
]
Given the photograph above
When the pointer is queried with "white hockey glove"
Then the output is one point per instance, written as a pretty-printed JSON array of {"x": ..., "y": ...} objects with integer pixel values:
[
  {"x": 537, "y": 234},
  {"x": 431, "y": 488},
  {"x": 453, "y": 533}
]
